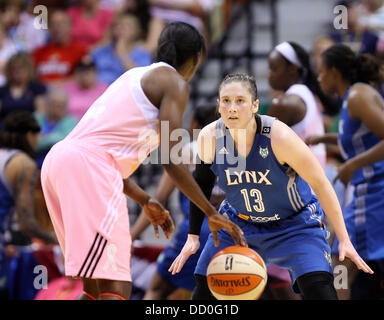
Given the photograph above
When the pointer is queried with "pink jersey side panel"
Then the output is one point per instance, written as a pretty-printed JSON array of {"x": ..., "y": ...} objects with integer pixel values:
[{"x": 312, "y": 124}]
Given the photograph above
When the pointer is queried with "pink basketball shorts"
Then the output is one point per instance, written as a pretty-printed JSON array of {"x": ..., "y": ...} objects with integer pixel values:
[{"x": 83, "y": 190}]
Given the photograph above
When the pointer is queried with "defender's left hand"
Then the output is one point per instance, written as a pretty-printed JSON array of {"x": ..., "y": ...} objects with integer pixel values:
[{"x": 346, "y": 249}]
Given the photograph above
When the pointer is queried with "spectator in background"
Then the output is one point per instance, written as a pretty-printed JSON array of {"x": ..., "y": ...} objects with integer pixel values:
[
  {"x": 55, "y": 122},
  {"x": 113, "y": 5},
  {"x": 7, "y": 49},
  {"x": 372, "y": 18},
  {"x": 139, "y": 8},
  {"x": 84, "y": 89},
  {"x": 56, "y": 60},
  {"x": 124, "y": 52},
  {"x": 21, "y": 92},
  {"x": 163, "y": 12},
  {"x": 358, "y": 38},
  {"x": 90, "y": 23},
  {"x": 321, "y": 44},
  {"x": 19, "y": 25}
]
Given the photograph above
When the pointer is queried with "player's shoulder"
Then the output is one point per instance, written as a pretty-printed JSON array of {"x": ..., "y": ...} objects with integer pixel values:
[
  {"x": 207, "y": 142},
  {"x": 360, "y": 91},
  {"x": 22, "y": 161},
  {"x": 168, "y": 77},
  {"x": 280, "y": 132},
  {"x": 19, "y": 165},
  {"x": 209, "y": 131},
  {"x": 166, "y": 80}
]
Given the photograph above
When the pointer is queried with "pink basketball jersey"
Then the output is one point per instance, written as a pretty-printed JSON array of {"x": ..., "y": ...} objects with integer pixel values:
[
  {"x": 312, "y": 124},
  {"x": 122, "y": 122}
]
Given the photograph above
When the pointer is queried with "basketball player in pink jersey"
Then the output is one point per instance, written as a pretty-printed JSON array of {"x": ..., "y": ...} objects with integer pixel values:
[
  {"x": 82, "y": 176},
  {"x": 299, "y": 106}
]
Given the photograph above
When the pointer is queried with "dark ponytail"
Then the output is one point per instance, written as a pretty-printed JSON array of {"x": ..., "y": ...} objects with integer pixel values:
[
  {"x": 309, "y": 78},
  {"x": 15, "y": 128},
  {"x": 367, "y": 69},
  {"x": 179, "y": 42},
  {"x": 353, "y": 68}
]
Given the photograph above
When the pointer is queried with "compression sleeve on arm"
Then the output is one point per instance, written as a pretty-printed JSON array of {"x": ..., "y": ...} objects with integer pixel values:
[{"x": 205, "y": 178}]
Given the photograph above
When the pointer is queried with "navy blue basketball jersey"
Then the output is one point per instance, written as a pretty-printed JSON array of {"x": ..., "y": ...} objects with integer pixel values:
[
  {"x": 355, "y": 138},
  {"x": 258, "y": 186},
  {"x": 6, "y": 190}
]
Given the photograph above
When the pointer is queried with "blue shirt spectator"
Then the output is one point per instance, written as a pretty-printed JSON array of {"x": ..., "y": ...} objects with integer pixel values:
[
  {"x": 109, "y": 65},
  {"x": 123, "y": 52}
]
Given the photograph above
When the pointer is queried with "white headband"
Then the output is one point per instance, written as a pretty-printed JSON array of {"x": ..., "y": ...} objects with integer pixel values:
[{"x": 289, "y": 53}]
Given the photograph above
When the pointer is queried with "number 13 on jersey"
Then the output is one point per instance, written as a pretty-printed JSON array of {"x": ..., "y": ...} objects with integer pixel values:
[{"x": 255, "y": 195}]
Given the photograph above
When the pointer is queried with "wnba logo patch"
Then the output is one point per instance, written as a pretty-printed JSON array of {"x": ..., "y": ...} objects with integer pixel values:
[{"x": 264, "y": 152}]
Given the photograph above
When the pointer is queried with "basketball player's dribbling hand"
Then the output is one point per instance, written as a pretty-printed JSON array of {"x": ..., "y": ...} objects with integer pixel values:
[
  {"x": 215, "y": 223},
  {"x": 218, "y": 221},
  {"x": 159, "y": 216}
]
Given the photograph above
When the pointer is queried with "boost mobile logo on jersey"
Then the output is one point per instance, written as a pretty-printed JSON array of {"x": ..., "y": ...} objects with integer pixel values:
[{"x": 263, "y": 152}]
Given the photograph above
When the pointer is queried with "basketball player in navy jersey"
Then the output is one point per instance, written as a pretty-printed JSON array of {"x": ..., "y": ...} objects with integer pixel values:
[
  {"x": 360, "y": 137},
  {"x": 267, "y": 173},
  {"x": 18, "y": 182}
]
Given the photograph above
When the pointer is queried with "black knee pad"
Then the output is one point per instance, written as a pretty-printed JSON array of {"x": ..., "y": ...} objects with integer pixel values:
[
  {"x": 201, "y": 291},
  {"x": 317, "y": 285}
]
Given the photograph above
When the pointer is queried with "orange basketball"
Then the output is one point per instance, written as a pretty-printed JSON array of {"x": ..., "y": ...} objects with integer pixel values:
[{"x": 236, "y": 273}]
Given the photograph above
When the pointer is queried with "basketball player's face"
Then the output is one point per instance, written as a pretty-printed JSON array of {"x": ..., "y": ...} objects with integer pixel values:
[
  {"x": 326, "y": 78},
  {"x": 277, "y": 72},
  {"x": 236, "y": 105}
]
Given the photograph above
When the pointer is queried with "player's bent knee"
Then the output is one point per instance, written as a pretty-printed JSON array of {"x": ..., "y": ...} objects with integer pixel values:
[{"x": 317, "y": 285}]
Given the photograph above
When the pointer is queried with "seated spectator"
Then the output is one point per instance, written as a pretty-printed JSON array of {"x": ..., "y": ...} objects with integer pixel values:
[
  {"x": 321, "y": 44},
  {"x": 124, "y": 52},
  {"x": 7, "y": 49},
  {"x": 140, "y": 9},
  {"x": 84, "y": 89},
  {"x": 21, "y": 92},
  {"x": 112, "y": 5},
  {"x": 163, "y": 12},
  {"x": 55, "y": 122},
  {"x": 19, "y": 25},
  {"x": 90, "y": 22},
  {"x": 359, "y": 39},
  {"x": 56, "y": 60}
]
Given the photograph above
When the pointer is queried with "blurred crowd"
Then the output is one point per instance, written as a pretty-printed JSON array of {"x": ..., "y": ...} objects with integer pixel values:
[{"x": 56, "y": 73}]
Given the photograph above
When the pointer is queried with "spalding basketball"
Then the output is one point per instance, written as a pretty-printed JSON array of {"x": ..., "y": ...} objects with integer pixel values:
[{"x": 236, "y": 273}]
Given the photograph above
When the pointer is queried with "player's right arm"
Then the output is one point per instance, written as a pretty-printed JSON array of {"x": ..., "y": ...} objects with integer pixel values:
[
  {"x": 23, "y": 173},
  {"x": 172, "y": 106},
  {"x": 329, "y": 138},
  {"x": 163, "y": 192}
]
